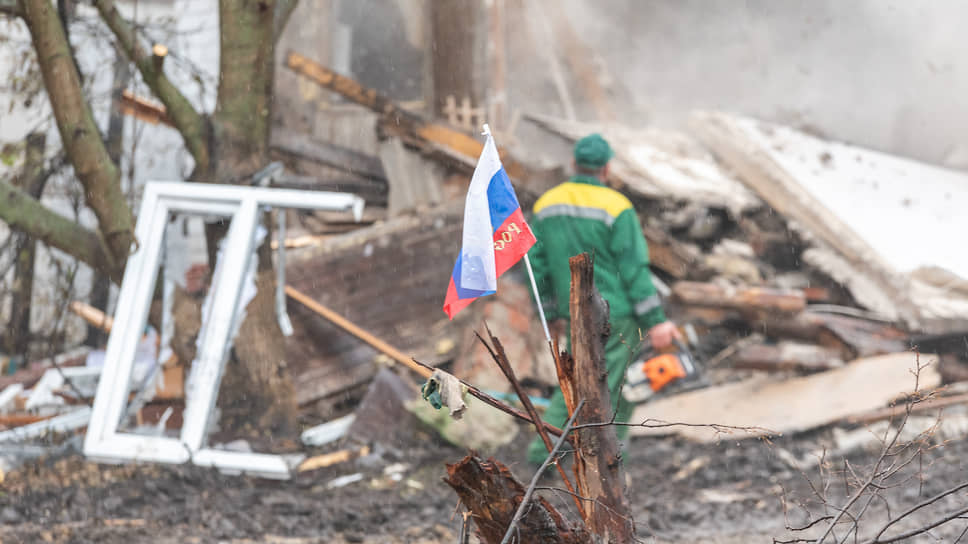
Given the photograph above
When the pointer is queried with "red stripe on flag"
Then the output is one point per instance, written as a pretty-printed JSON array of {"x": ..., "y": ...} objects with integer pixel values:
[
  {"x": 512, "y": 240},
  {"x": 452, "y": 304}
]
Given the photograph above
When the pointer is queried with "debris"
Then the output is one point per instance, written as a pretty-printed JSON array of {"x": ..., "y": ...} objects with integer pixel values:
[
  {"x": 787, "y": 355},
  {"x": 92, "y": 315},
  {"x": 482, "y": 427},
  {"x": 344, "y": 481},
  {"x": 441, "y": 390},
  {"x": 863, "y": 206},
  {"x": 492, "y": 494},
  {"x": 103, "y": 442},
  {"x": 329, "y": 459},
  {"x": 739, "y": 298},
  {"x": 65, "y": 423},
  {"x": 895, "y": 411},
  {"x": 330, "y": 431},
  {"x": 413, "y": 130},
  {"x": 354, "y": 162},
  {"x": 761, "y": 406},
  {"x": 663, "y": 165},
  {"x": 382, "y": 416},
  {"x": 8, "y": 395}
]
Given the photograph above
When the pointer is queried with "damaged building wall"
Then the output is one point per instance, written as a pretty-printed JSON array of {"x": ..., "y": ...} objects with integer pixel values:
[{"x": 880, "y": 75}]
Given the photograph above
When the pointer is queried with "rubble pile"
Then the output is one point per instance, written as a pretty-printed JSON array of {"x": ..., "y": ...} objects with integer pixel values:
[{"x": 772, "y": 247}]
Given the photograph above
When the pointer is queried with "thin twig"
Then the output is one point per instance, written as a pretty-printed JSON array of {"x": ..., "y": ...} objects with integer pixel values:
[
  {"x": 923, "y": 529},
  {"x": 922, "y": 504},
  {"x": 537, "y": 475},
  {"x": 491, "y": 401},
  {"x": 501, "y": 358}
]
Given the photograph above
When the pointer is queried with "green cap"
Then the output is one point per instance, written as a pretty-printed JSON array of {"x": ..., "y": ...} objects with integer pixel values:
[{"x": 592, "y": 151}]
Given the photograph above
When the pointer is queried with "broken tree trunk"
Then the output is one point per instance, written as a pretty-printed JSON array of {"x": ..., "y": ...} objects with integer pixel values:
[
  {"x": 598, "y": 465},
  {"x": 785, "y": 301},
  {"x": 492, "y": 494}
]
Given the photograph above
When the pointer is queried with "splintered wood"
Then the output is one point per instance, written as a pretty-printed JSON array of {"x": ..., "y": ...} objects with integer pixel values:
[
  {"x": 492, "y": 495},
  {"x": 599, "y": 473}
]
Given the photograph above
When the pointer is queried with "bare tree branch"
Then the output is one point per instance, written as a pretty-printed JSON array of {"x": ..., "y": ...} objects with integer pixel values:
[
  {"x": 284, "y": 9},
  {"x": 22, "y": 212},
  {"x": 81, "y": 138},
  {"x": 189, "y": 123}
]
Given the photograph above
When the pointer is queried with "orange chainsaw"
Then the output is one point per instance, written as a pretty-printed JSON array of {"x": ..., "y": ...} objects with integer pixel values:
[{"x": 653, "y": 372}]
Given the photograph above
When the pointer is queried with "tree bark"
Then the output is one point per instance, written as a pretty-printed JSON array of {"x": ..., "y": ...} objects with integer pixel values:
[
  {"x": 598, "y": 467},
  {"x": 101, "y": 289},
  {"x": 189, "y": 123},
  {"x": 258, "y": 377},
  {"x": 25, "y": 250},
  {"x": 25, "y": 214},
  {"x": 79, "y": 133}
]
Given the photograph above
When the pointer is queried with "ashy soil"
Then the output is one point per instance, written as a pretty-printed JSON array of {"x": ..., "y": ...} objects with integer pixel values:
[{"x": 730, "y": 492}]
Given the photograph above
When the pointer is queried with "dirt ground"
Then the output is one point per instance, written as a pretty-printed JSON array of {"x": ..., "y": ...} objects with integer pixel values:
[{"x": 730, "y": 492}]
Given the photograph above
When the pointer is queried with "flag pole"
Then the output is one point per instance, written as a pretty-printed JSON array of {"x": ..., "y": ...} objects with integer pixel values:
[
  {"x": 537, "y": 298},
  {"x": 527, "y": 262}
]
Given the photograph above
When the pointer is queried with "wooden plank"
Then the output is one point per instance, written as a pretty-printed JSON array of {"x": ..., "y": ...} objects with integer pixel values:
[
  {"x": 299, "y": 145},
  {"x": 762, "y": 406},
  {"x": 408, "y": 126},
  {"x": 329, "y": 459},
  {"x": 787, "y": 301},
  {"x": 669, "y": 255},
  {"x": 897, "y": 411},
  {"x": 787, "y": 356}
]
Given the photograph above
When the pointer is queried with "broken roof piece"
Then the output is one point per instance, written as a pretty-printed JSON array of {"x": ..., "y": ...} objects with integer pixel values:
[
  {"x": 890, "y": 219},
  {"x": 662, "y": 164}
]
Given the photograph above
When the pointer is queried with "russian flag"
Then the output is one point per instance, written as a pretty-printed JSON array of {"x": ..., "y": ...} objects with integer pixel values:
[{"x": 495, "y": 233}]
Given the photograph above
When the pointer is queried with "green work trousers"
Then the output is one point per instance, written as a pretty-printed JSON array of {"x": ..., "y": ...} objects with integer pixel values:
[{"x": 622, "y": 345}]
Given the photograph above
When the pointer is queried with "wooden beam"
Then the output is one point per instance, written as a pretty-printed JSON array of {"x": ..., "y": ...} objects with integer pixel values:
[
  {"x": 92, "y": 315},
  {"x": 408, "y": 126},
  {"x": 335, "y": 156},
  {"x": 395, "y": 354},
  {"x": 669, "y": 255},
  {"x": 786, "y": 301},
  {"x": 332, "y": 458},
  {"x": 145, "y": 110},
  {"x": 787, "y": 356}
]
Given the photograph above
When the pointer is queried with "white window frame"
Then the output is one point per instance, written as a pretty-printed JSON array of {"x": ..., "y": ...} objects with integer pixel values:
[{"x": 103, "y": 441}]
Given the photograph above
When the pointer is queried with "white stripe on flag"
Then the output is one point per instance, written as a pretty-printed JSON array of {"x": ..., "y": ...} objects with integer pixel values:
[{"x": 477, "y": 266}]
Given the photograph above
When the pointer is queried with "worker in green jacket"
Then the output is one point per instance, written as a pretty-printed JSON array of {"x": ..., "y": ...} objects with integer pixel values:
[{"x": 582, "y": 215}]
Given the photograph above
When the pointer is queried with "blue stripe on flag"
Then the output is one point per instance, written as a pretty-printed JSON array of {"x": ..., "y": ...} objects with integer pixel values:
[
  {"x": 462, "y": 292},
  {"x": 501, "y": 198}
]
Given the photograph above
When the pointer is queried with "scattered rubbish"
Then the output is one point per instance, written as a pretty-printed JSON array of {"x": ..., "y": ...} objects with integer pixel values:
[
  {"x": 65, "y": 423},
  {"x": 443, "y": 389},
  {"x": 343, "y": 481},
  {"x": 330, "y": 431},
  {"x": 103, "y": 442},
  {"x": 332, "y": 458},
  {"x": 482, "y": 427}
]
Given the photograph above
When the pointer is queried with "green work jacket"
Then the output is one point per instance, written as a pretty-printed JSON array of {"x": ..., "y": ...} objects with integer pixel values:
[{"x": 582, "y": 215}]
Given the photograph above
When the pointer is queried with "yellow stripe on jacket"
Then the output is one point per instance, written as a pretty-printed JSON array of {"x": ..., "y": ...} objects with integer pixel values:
[{"x": 582, "y": 200}]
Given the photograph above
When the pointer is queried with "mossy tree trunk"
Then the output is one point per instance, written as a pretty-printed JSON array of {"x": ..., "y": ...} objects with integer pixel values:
[{"x": 228, "y": 147}]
